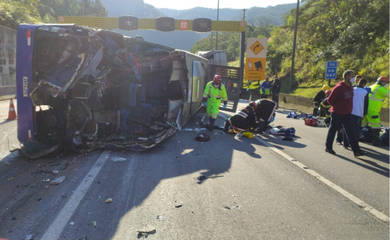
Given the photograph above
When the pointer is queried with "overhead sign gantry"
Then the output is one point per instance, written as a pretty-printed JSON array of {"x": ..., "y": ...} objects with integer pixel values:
[{"x": 164, "y": 24}]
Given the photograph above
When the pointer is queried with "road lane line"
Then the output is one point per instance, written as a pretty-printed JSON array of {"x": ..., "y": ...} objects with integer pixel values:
[
  {"x": 327, "y": 182},
  {"x": 58, "y": 225}
]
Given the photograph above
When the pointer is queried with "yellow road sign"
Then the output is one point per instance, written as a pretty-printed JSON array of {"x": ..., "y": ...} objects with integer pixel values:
[
  {"x": 256, "y": 47},
  {"x": 255, "y": 69}
]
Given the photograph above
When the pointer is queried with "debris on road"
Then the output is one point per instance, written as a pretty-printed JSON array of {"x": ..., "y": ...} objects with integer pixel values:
[
  {"x": 109, "y": 200},
  {"x": 11, "y": 178},
  {"x": 57, "y": 180},
  {"x": 52, "y": 167},
  {"x": 71, "y": 223},
  {"x": 118, "y": 159},
  {"x": 201, "y": 179},
  {"x": 193, "y": 129},
  {"x": 202, "y": 137},
  {"x": 179, "y": 206},
  {"x": 238, "y": 136},
  {"x": 55, "y": 172},
  {"x": 159, "y": 217},
  {"x": 146, "y": 231},
  {"x": 94, "y": 224}
]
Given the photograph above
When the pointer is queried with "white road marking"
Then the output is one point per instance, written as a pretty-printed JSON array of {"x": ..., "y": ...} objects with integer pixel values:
[
  {"x": 58, "y": 225},
  {"x": 324, "y": 180}
]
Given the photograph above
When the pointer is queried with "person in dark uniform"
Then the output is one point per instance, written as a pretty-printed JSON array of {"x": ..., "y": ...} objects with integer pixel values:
[
  {"x": 242, "y": 120},
  {"x": 319, "y": 97},
  {"x": 325, "y": 107},
  {"x": 275, "y": 89},
  {"x": 265, "y": 112}
]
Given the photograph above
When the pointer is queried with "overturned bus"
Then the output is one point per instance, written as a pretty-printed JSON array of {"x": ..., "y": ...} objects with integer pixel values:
[{"x": 82, "y": 88}]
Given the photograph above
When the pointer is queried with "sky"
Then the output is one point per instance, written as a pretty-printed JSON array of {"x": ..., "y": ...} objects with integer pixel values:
[{"x": 235, "y": 4}]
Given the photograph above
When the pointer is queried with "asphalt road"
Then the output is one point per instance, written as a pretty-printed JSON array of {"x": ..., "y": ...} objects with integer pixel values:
[{"x": 227, "y": 188}]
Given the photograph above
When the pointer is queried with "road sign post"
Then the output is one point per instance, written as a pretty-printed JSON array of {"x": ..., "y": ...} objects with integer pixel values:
[
  {"x": 331, "y": 70},
  {"x": 256, "y": 54}
]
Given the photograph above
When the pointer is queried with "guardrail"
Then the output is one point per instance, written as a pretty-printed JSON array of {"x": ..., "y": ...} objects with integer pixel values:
[
  {"x": 7, "y": 92},
  {"x": 302, "y": 104}
]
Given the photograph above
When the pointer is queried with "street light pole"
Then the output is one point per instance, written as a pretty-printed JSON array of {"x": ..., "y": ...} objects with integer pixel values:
[
  {"x": 83, "y": 7},
  {"x": 216, "y": 36},
  {"x": 295, "y": 41}
]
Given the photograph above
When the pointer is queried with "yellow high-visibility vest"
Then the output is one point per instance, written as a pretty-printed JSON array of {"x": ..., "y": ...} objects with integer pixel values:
[{"x": 376, "y": 98}]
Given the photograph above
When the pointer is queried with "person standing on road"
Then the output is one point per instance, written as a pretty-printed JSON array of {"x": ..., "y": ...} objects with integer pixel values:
[
  {"x": 265, "y": 88},
  {"x": 378, "y": 94},
  {"x": 359, "y": 109},
  {"x": 319, "y": 97},
  {"x": 242, "y": 120},
  {"x": 213, "y": 94},
  {"x": 341, "y": 100},
  {"x": 265, "y": 113},
  {"x": 275, "y": 89}
]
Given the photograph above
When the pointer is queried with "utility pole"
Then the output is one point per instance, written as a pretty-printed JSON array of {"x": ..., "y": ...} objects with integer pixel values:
[
  {"x": 216, "y": 36},
  {"x": 242, "y": 50},
  {"x": 295, "y": 41}
]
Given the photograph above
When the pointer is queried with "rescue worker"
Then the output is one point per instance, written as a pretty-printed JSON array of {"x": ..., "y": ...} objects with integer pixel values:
[
  {"x": 265, "y": 88},
  {"x": 378, "y": 94},
  {"x": 213, "y": 94},
  {"x": 319, "y": 97},
  {"x": 265, "y": 113},
  {"x": 243, "y": 120},
  {"x": 324, "y": 108}
]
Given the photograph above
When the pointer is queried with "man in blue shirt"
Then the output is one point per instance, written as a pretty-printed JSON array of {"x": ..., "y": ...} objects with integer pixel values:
[{"x": 265, "y": 89}]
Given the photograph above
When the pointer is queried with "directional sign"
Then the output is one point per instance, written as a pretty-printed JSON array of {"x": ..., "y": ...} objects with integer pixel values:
[
  {"x": 256, "y": 56},
  {"x": 331, "y": 70},
  {"x": 256, "y": 47}
]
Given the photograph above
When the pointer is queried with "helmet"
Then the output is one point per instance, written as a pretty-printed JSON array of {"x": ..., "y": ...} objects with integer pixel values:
[
  {"x": 253, "y": 104},
  {"x": 217, "y": 79},
  {"x": 325, "y": 87},
  {"x": 385, "y": 79},
  {"x": 327, "y": 92}
]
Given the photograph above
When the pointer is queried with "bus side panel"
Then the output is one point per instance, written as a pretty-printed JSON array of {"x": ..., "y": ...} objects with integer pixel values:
[{"x": 24, "y": 74}]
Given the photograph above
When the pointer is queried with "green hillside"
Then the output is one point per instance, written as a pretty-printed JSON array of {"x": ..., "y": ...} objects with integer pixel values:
[{"x": 353, "y": 32}]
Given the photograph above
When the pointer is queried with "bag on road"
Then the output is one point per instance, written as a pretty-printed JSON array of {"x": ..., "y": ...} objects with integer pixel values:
[{"x": 366, "y": 134}]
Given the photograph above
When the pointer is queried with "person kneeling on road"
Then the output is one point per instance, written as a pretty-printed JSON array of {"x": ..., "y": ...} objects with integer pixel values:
[
  {"x": 243, "y": 120},
  {"x": 264, "y": 113}
]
